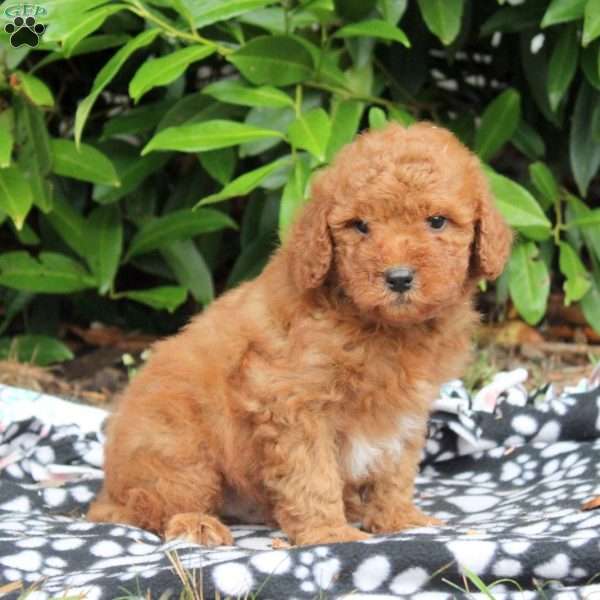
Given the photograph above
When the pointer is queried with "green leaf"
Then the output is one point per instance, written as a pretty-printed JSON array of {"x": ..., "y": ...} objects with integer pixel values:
[
  {"x": 518, "y": 207},
  {"x": 190, "y": 269},
  {"x": 207, "y": 135},
  {"x": 86, "y": 163},
  {"x": 528, "y": 141},
  {"x": 529, "y": 282},
  {"x": 577, "y": 281},
  {"x": 15, "y": 195},
  {"x": 136, "y": 120},
  {"x": 328, "y": 72},
  {"x": 359, "y": 80},
  {"x": 193, "y": 108},
  {"x": 310, "y": 131},
  {"x": 50, "y": 273},
  {"x": 243, "y": 185},
  {"x": 590, "y": 305},
  {"x": 271, "y": 19},
  {"x": 377, "y": 118},
  {"x": 132, "y": 171},
  {"x": 443, "y": 18},
  {"x": 591, "y": 219},
  {"x": 294, "y": 195},
  {"x": 584, "y": 150},
  {"x": 7, "y": 138},
  {"x": 39, "y": 349},
  {"x": 591, "y": 23},
  {"x": 535, "y": 69},
  {"x": 345, "y": 120},
  {"x": 219, "y": 164},
  {"x": 162, "y": 71},
  {"x": 233, "y": 91},
  {"x": 14, "y": 303},
  {"x": 353, "y": 10},
  {"x": 26, "y": 235},
  {"x": 106, "y": 75},
  {"x": 374, "y": 28},
  {"x": 252, "y": 259},
  {"x": 32, "y": 136},
  {"x": 585, "y": 220},
  {"x": 181, "y": 6},
  {"x": 545, "y": 183},
  {"x": 177, "y": 225},
  {"x": 512, "y": 19},
  {"x": 87, "y": 23},
  {"x": 323, "y": 10},
  {"x": 562, "y": 65},
  {"x": 65, "y": 15},
  {"x": 392, "y": 10},
  {"x": 400, "y": 115},
  {"x": 561, "y": 11},
  {"x": 35, "y": 155},
  {"x": 95, "y": 43},
  {"x": 35, "y": 89},
  {"x": 498, "y": 123},
  {"x": 273, "y": 60},
  {"x": 213, "y": 11},
  {"x": 590, "y": 64},
  {"x": 166, "y": 297},
  {"x": 278, "y": 119},
  {"x": 105, "y": 243},
  {"x": 463, "y": 127},
  {"x": 69, "y": 225}
]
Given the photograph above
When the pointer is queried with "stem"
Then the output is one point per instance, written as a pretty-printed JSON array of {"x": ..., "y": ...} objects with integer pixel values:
[
  {"x": 559, "y": 222},
  {"x": 286, "y": 17},
  {"x": 324, "y": 47},
  {"x": 298, "y": 101},
  {"x": 348, "y": 94},
  {"x": 142, "y": 12}
]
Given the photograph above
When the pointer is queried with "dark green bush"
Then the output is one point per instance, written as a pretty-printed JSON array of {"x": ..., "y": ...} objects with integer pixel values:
[{"x": 153, "y": 151}]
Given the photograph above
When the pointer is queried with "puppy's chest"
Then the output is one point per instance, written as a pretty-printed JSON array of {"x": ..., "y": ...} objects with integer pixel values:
[{"x": 363, "y": 454}]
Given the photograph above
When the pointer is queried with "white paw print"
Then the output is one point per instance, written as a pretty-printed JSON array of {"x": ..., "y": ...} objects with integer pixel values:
[
  {"x": 520, "y": 471},
  {"x": 317, "y": 570}
]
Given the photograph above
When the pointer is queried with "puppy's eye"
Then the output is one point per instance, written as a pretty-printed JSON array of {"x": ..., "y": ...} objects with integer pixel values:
[
  {"x": 360, "y": 226},
  {"x": 437, "y": 222}
]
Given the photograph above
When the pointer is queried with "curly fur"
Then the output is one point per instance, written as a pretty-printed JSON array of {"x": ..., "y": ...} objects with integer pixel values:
[{"x": 304, "y": 394}]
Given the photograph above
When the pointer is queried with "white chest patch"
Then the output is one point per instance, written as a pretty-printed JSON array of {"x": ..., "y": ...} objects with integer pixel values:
[{"x": 363, "y": 453}]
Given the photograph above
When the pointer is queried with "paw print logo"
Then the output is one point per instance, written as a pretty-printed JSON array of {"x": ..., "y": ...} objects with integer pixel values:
[{"x": 24, "y": 32}]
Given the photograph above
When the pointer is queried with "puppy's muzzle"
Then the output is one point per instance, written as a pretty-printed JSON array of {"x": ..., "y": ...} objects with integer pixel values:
[{"x": 399, "y": 279}]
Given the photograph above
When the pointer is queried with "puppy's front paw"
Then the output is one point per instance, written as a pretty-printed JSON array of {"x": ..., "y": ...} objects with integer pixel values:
[
  {"x": 330, "y": 535},
  {"x": 198, "y": 529},
  {"x": 408, "y": 517}
]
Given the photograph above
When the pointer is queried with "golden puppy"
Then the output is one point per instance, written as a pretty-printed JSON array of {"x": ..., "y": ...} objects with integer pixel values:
[{"x": 303, "y": 395}]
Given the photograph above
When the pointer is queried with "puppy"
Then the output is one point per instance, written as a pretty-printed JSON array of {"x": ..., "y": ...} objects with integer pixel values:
[{"x": 302, "y": 396}]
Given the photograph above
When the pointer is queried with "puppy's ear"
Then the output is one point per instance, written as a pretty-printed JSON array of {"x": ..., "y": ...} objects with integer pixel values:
[
  {"x": 310, "y": 248},
  {"x": 493, "y": 237}
]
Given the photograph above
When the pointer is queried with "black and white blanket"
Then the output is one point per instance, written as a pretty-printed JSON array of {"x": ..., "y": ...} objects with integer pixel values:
[{"x": 508, "y": 473}]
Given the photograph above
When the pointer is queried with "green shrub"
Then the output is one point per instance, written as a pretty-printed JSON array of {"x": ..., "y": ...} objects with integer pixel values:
[{"x": 153, "y": 151}]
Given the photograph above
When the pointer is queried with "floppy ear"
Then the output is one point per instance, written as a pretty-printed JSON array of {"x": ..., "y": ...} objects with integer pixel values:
[
  {"x": 309, "y": 246},
  {"x": 493, "y": 237}
]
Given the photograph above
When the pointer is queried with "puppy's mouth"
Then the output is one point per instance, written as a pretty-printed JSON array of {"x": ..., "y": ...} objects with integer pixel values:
[{"x": 401, "y": 299}]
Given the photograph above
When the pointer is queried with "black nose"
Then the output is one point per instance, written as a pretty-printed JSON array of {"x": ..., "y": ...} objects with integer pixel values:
[{"x": 399, "y": 279}]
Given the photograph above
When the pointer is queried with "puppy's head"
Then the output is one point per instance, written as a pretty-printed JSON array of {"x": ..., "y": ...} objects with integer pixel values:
[{"x": 403, "y": 222}]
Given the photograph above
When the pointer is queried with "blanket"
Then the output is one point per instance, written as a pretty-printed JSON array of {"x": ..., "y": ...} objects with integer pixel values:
[{"x": 513, "y": 475}]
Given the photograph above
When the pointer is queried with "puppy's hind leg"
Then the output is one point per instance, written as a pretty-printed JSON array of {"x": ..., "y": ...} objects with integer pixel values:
[{"x": 174, "y": 502}]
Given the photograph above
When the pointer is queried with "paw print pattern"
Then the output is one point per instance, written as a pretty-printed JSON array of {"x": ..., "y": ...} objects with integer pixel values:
[
  {"x": 511, "y": 497},
  {"x": 24, "y": 32}
]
